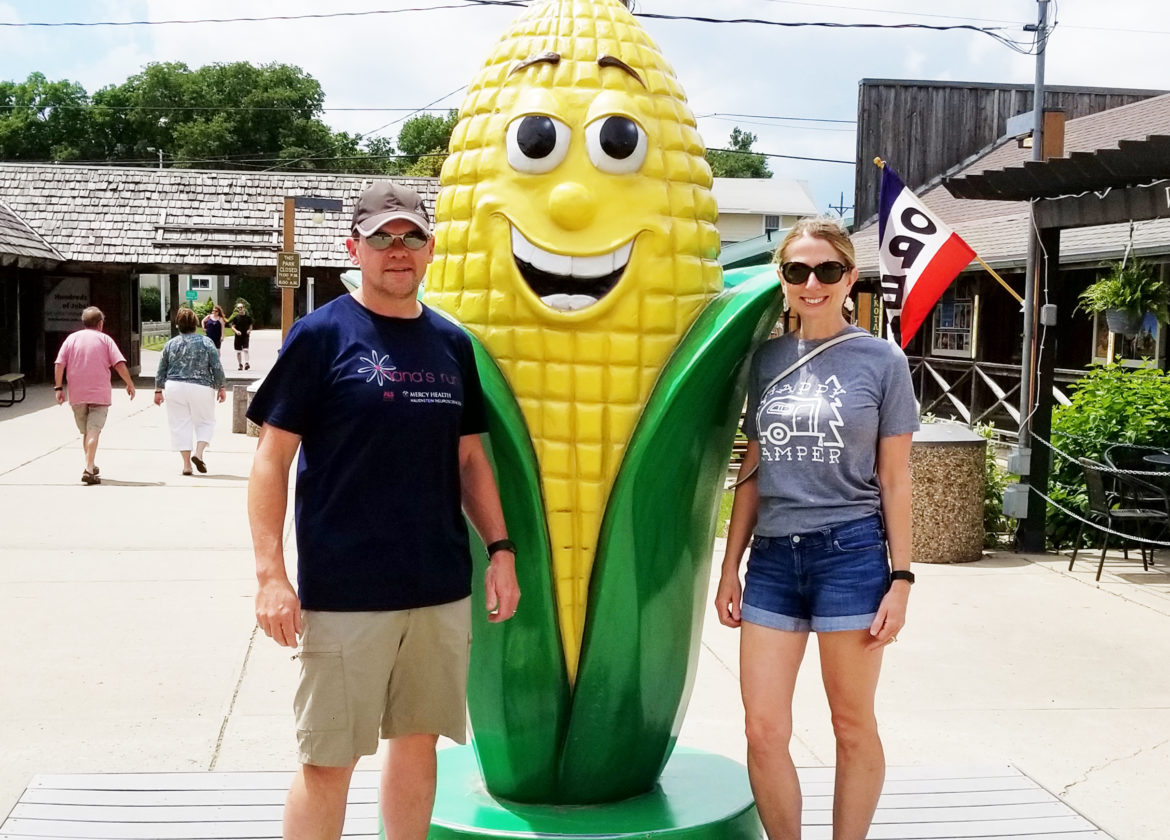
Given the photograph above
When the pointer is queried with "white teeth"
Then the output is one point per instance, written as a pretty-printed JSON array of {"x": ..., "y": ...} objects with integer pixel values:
[
  {"x": 568, "y": 303},
  {"x": 585, "y": 268}
]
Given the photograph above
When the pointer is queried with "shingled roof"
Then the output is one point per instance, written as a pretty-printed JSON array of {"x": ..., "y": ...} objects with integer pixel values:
[
  {"x": 181, "y": 219},
  {"x": 20, "y": 245},
  {"x": 998, "y": 230}
]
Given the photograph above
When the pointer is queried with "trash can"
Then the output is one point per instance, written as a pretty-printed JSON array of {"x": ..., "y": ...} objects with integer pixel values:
[{"x": 948, "y": 474}]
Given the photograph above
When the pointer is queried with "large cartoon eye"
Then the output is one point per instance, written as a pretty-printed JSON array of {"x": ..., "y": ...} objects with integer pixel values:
[
  {"x": 537, "y": 143},
  {"x": 616, "y": 144}
]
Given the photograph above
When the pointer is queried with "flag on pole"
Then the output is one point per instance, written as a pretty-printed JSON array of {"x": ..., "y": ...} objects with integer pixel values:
[{"x": 918, "y": 257}]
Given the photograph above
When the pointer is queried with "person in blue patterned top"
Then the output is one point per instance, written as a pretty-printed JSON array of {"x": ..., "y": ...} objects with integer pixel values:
[{"x": 192, "y": 379}]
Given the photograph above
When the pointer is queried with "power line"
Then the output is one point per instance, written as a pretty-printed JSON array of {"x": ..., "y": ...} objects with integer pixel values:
[{"x": 1020, "y": 46}]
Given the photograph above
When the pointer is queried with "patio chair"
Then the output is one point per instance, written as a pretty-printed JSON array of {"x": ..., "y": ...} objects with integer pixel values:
[
  {"x": 1140, "y": 491},
  {"x": 1101, "y": 509}
]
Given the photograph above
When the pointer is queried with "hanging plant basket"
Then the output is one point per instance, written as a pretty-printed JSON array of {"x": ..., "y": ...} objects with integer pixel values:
[{"x": 1124, "y": 321}]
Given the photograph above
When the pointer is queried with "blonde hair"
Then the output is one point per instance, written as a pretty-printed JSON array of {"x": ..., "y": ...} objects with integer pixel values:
[{"x": 820, "y": 227}]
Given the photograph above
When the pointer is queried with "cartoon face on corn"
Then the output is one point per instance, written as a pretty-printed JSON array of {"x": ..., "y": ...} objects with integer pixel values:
[{"x": 575, "y": 241}]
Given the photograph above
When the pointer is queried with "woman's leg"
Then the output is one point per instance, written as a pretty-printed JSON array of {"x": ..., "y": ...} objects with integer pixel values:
[
  {"x": 850, "y": 673},
  {"x": 177, "y": 404},
  {"x": 768, "y": 662},
  {"x": 203, "y": 418}
]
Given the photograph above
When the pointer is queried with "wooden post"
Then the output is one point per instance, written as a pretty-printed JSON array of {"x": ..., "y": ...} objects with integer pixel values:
[{"x": 286, "y": 294}]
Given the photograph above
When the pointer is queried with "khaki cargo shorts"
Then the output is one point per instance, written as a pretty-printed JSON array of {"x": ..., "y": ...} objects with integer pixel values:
[
  {"x": 90, "y": 417},
  {"x": 396, "y": 673}
]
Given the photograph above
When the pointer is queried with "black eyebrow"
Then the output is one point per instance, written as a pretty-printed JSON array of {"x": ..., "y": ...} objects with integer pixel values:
[
  {"x": 613, "y": 61},
  {"x": 544, "y": 58}
]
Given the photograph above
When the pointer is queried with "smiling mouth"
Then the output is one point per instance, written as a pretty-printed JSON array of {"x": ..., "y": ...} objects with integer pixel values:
[{"x": 568, "y": 283}]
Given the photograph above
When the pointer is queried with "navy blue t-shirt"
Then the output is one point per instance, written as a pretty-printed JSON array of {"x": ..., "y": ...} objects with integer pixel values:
[{"x": 380, "y": 404}]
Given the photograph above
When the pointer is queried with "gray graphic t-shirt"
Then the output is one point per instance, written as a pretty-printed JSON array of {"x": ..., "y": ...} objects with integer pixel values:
[{"x": 819, "y": 427}]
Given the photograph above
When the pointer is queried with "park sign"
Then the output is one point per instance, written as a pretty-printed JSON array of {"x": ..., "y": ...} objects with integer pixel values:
[
  {"x": 192, "y": 294},
  {"x": 288, "y": 270}
]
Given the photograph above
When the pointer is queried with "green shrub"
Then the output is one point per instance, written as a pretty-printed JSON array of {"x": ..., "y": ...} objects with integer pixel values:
[
  {"x": 997, "y": 528},
  {"x": 150, "y": 303},
  {"x": 1112, "y": 404}
]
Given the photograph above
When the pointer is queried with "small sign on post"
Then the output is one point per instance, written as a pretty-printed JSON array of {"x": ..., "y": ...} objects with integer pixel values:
[
  {"x": 288, "y": 270},
  {"x": 192, "y": 294}
]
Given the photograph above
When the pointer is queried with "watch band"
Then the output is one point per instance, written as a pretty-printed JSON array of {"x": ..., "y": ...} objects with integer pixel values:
[
  {"x": 501, "y": 545},
  {"x": 902, "y": 574}
]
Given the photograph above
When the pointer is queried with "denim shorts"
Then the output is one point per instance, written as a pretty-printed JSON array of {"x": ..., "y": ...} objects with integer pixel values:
[{"x": 830, "y": 579}]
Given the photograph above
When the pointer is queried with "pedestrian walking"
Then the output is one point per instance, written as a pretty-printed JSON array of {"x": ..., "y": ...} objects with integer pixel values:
[
  {"x": 83, "y": 366},
  {"x": 189, "y": 380}
]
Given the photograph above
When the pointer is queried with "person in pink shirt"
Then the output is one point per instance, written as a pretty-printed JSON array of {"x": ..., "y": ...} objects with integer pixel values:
[{"x": 84, "y": 362}]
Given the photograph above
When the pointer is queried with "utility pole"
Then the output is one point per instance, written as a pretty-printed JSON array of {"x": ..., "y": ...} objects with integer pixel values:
[{"x": 1030, "y": 533}]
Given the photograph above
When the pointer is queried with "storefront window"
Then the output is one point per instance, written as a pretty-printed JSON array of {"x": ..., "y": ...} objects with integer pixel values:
[
  {"x": 1146, "y": 349},
  {"x": 955, "y": 320}
]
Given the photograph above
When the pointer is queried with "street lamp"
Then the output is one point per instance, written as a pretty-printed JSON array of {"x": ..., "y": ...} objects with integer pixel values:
[{"x": 288, "y": 262}]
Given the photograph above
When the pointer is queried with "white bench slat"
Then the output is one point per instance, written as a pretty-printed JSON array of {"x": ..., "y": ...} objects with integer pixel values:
[
  {"x": 69, "y": 830},
  {"x": 240, "y": 780},
  {"x": 210, "y": 798}
]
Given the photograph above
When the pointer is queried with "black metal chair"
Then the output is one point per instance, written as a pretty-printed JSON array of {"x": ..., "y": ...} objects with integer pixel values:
[
  {"x": 1141, "y": 491},
  {"x": 1102, "y": 509}
]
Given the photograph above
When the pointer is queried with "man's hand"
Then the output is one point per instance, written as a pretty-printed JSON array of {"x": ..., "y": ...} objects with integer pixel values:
[
  {"x": 130, "y": 389},
  {"x": 60, "y": 396},
  {"x": 501, "y": 587},
  {"x": 278, "y": 612}
]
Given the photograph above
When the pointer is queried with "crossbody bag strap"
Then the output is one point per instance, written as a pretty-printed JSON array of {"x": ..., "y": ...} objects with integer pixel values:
[{"x": 792, "y": 368}]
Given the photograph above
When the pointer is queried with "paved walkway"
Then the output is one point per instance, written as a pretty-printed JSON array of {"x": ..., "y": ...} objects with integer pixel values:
[{"x": 129, "y": 640}]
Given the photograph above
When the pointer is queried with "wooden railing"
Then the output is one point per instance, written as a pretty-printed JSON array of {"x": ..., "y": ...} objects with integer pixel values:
[{"x": 978, "y": 392}]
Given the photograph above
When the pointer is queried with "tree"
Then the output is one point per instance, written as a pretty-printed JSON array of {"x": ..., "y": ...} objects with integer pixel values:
[
  {"x": 44, "y": 121},
  {"x": 221, "y": 116},
  {"x": 428, "y": 135},
  {"x": 738, "y": 160}
]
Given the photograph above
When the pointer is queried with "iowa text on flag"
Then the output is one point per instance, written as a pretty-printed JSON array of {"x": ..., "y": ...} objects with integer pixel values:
[{"x": 918, "y": 257}]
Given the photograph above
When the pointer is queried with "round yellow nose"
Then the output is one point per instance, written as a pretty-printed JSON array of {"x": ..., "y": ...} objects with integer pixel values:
[{"x": 572, "y": 206}]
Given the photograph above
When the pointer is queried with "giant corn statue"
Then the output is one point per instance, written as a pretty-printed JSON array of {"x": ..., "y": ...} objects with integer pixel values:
[{"x": 575, "y": 240}]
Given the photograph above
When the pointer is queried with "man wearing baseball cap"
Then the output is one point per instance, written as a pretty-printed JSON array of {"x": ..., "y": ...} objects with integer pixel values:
[{"x": 382, "y": 397}]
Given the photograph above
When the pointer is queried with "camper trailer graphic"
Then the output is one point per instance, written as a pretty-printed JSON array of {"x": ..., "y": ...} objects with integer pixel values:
[
  {"x": 797, "y": 414},
  {"x": 793, "y": 417}
]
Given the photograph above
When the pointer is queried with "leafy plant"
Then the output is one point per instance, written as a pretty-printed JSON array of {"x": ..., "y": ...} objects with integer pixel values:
[
  {"x": 996, "y": 526},
  {"x": 1112, "y": 404},
  {"x": 1130, "y": 286}
]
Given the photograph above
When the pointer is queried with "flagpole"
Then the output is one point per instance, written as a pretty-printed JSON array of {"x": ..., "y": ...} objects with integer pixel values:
[
  {"x": 1030, "y": 531},
  {"x": 1002, "y": 282}
]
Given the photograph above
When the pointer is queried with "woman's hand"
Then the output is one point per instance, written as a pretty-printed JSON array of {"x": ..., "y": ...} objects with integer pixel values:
[
  {"x": 727, "y": 597},
  {"x": 891, "y": 616},
  {"x": 158, "y": 397},
  {"x": 221, "y": 394}
]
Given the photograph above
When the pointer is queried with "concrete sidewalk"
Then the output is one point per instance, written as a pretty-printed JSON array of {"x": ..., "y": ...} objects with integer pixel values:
[{"x": 130, "y": 643}]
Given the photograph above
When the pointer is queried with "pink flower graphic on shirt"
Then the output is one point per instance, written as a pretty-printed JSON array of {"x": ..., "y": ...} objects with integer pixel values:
[{"x": 378, "y": 367}]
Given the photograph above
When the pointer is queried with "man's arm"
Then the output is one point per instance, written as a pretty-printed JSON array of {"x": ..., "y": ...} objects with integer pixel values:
[
  {"x": 278, "y": 610},
  {"x": 124, "y": 372},
  {"x": 481, "y": 503},
  {"x": 59, "y": 382}
]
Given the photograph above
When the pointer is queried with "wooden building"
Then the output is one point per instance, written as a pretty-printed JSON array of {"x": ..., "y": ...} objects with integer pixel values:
[
  {"x": 966, "y": 356},
  {"x": 72, "y": 236},
  {"x": 924, "y": 129}
]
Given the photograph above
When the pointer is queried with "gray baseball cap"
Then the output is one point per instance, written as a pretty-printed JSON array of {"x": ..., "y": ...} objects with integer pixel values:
[{"x": 385, "y": 201}]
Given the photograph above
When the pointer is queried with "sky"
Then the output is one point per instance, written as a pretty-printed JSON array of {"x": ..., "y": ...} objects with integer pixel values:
[{"x": 794, "y": 87}]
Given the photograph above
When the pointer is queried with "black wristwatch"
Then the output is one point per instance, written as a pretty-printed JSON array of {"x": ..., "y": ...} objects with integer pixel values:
[
  {"x": 501, "y": 545},
  {"x": 902, "y": 574}
]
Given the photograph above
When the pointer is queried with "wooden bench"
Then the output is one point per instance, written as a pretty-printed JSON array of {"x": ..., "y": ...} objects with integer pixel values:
[
  {"x": 13, "y": 381},
  {"x": 917, "y": 802}
]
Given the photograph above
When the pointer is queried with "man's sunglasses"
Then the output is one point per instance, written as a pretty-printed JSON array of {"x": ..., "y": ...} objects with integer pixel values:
[
  {"x": 827, "y": 272},
  {"x": 412, "y": 239}
]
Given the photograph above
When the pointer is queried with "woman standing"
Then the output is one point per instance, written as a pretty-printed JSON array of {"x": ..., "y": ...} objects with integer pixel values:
[
  {"x": 831, "y": 440},
  {"x": 191, "y": 377},
  {"x": 213, "y": 326}
]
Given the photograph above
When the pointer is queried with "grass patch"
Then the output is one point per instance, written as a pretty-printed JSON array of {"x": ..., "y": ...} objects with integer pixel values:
[{"x": 725, "y": 501}]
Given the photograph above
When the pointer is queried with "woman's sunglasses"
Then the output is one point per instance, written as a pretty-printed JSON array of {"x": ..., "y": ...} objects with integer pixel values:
[
  {"x": 827, "y": 272},
  {"x": 413, "y": 239}
]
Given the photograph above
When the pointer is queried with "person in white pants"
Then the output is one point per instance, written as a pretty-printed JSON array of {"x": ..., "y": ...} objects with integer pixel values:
[{"x": 192, "y": 379}]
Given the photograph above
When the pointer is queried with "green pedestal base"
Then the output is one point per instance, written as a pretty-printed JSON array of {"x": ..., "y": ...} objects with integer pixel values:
[{"x": 700, "y": 796}]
